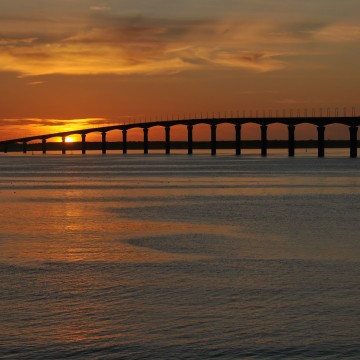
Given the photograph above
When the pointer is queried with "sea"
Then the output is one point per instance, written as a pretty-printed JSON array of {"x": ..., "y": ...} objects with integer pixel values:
[{"x": 180, "y": 257}]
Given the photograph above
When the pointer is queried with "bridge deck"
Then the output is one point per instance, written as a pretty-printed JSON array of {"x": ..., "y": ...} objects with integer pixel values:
[{"x": 317, "y": 121}]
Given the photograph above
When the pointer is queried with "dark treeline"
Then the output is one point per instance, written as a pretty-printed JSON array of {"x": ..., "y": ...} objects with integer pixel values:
[{"x": 158, "y": 145}]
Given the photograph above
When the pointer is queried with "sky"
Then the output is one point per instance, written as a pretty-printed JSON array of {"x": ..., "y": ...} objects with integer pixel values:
[{"x": 72, "y": 64}]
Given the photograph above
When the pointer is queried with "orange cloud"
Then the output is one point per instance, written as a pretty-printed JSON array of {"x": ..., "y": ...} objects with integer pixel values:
[
  {"x": 112, "y": 44},
  {"x": 35, "y": 126},
  {"x": 339, "y": 33},
  {"x": 136, "y": 46}
]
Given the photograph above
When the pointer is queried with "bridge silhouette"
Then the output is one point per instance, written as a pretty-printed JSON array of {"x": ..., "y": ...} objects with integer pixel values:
[{"x": 352, "y": 122}]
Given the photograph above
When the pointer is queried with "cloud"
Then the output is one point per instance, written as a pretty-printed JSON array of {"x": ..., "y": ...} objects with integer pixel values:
[
  {"x": 338, "y": 33},
  {"x": 111, "y": 44},
  {"x": 100, "y": 8},
  {"x": 260, "y": 61},
  {"x": 14, "y": 41},
  {"x": 290, "y": 101},
  {"x": 135, "y": 45},
  {"x": 55, "y": 123},
  {"x": 34, "y": 83}
]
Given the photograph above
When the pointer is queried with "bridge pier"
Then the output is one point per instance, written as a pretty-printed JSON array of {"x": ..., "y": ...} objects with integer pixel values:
[
  {"x": 124, "y": 132},
  {"x": 213, "y": 140},
  {"x": 83, "y": 144},
  {"x": 291, "y": 130},
  {"x": 103, "y": 142},
  {"x": 264, "y": 140},
  {"x": 353, "y": 141},
  {"x": 167, "y": 140},
  {"x": 238, "y": 139},
  {"x": 190, "y": 139},
  {"x": 146, "y": 140},
  {"x": 5, "y": 148},
  {"x": 43, "y": 146},
  {"x": 63, "y": 150},
  {"x": 24, "y": 147},
  {"x": 321, "y": 140}
]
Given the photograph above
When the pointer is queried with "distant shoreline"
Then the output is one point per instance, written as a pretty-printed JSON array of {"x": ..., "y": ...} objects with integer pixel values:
[{"x": 178, "y": 145}]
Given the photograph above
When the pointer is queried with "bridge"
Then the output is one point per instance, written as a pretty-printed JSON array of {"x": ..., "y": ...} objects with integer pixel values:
[{"x": 352, "y": 122}]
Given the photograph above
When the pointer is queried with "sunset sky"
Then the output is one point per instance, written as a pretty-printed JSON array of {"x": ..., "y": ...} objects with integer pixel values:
[{"x": 68, "y": 64}]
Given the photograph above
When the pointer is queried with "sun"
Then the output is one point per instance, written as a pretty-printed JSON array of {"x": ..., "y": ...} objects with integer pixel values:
[{"x": 69, "y": 140}]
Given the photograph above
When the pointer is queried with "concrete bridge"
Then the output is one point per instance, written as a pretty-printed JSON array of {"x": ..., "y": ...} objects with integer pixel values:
[{"x": 352, "y": 122}]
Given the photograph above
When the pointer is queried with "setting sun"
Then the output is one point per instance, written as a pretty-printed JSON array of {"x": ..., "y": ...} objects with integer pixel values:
[{"x": 69, "y": 140}]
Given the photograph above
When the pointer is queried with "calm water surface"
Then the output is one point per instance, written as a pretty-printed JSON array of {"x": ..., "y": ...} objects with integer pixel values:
[{"x": 155, "y": 257}]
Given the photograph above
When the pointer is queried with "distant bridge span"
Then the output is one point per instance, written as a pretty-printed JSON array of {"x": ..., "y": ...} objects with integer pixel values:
[{"x": 352, "y": 122}]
